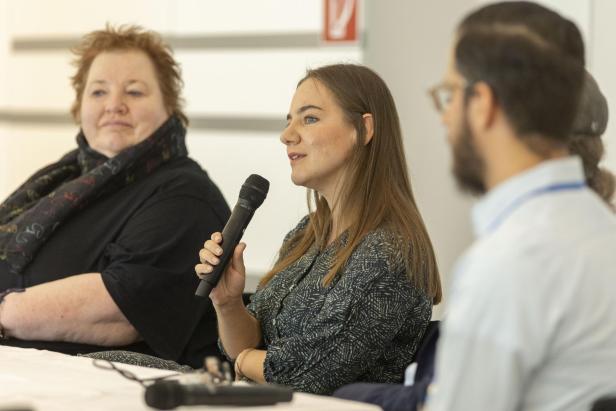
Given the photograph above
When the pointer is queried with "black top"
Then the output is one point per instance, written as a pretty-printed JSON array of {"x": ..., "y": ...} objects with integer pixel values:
[
  {"x": 365, "y": 326},
  {"x": 144, "y": 239}
]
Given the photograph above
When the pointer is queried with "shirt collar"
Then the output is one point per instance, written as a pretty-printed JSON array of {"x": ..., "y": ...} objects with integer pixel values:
[{"x": 494, "y": 205}]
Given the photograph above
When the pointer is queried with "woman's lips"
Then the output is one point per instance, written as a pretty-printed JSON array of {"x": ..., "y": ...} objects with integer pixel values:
[
  {"x": 116, "y": 124},
  {"x": 296, "y": 156}
]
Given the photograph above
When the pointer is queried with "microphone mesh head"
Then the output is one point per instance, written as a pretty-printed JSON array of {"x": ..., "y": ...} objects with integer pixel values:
[{"x": 254, "y": 190}]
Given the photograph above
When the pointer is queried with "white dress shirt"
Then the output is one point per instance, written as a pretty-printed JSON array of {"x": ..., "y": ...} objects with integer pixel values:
[{"x": 531, "y": 323}]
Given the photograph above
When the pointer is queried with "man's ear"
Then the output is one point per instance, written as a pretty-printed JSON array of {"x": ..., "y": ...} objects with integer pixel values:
[
  {"x": 369, "y": 126},
  {"x": 483, "y": 105}
]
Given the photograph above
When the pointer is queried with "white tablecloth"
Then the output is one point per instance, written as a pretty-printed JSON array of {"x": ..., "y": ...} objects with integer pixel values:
[{"x": 49, "y": 381}]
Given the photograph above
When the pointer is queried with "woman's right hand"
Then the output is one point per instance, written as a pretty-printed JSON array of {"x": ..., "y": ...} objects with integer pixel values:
[{"x": 231, "y": 284}]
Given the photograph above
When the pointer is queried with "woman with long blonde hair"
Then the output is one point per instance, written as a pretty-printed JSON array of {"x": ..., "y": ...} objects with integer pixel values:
[{"x": 352, "y": 291}]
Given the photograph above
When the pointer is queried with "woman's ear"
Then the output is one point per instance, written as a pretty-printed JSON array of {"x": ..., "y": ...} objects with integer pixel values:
[{"x": 368, "y": 126}]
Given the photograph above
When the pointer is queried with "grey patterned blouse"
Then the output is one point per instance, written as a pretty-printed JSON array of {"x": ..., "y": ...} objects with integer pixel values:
[{"x": 365, "y": 326}]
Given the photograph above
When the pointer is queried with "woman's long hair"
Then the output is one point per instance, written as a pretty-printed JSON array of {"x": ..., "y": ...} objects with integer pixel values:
[{"x": 376, "y": 191}]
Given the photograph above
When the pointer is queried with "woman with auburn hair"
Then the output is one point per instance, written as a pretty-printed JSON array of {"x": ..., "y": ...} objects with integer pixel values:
[
  {"x": 94, "y": 248},
  {"x": 352, "y": 291}
]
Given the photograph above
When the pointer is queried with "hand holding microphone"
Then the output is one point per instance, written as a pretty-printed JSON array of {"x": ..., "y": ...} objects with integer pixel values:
[
  {"x": 231, "y": 284},
  {"x": 223, "y": 247}
]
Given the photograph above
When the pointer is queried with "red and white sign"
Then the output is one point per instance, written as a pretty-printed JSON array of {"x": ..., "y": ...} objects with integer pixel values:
[{"x": 340, "y": 20}]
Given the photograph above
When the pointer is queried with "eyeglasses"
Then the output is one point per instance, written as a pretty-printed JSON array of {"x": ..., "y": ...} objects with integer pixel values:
[{"x": 442, "y": 93}]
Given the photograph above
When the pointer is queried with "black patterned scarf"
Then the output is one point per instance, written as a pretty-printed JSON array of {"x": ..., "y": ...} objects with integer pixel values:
[{"x": 30, "y": 215}]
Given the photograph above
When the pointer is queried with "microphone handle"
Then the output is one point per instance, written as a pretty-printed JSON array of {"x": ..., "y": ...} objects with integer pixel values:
[
  {"x": 231, "y": 236},
  {"x": 170, "y": 394},
  {"x": 237, "y": 395}
]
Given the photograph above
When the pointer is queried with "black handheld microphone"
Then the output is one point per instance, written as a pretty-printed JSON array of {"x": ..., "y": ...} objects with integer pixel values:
[
  {"x": 253, "y": 193},
  {"x": 166, "y": 395}
]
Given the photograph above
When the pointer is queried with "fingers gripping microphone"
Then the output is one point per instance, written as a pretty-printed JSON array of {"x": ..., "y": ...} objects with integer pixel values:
[{"x": 253, "y": 193}]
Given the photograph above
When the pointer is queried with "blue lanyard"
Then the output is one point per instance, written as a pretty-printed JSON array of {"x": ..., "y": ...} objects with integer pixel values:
[{"x": 575, "y": 185}]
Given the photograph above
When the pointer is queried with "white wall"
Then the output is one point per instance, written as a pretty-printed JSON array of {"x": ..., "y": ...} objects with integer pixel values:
[
  {"x": 224, "y": 83},
  {"x": 407, "y": 43},
  {"x": 603, "y": 60}
]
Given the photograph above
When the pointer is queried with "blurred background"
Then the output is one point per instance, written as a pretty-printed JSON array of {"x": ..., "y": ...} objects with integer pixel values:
[{"x": 241, "y": 60}]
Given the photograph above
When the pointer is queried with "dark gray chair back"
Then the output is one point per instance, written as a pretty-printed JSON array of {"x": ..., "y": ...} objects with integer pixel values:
[{"x": 605, "y": 403}]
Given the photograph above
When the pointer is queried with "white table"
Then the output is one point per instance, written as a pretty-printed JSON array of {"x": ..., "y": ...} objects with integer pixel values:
[{"x": 50, "y": 381}]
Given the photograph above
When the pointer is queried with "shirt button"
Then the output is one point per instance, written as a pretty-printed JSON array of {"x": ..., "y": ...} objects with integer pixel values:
[{"x": 274, "y": 322}]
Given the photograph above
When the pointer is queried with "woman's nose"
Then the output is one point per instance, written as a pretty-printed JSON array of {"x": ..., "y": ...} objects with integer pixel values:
[
  {"x": 115, "y": 104},
  {"x": 289, "y": 135}
]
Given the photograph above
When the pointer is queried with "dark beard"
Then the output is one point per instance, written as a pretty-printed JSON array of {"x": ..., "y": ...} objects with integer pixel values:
[{"x": 468, "y": 166}]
